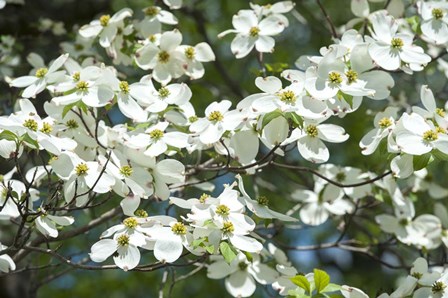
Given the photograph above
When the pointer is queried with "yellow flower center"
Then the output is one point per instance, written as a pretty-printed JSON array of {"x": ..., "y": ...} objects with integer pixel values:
[
  {"x": 72, "y": 124},
  {"x": 228, "y": 227},
  {"x": 430, "y": 135},
  {"x": 130, "y": 223},
  {"x": 254, "y": 31},
  {"x": 311, "y": 130},
  {"x": 440, "y": 112},
  {"x": 335, "y": 77},
  {"x": 104, "y": 20},
  {"x": 288, "y": 96},
  {"x": 123, "y": 240},
  {"x": 151, "y": 11},
  {"x": 46, "y": 128},
  {"x": 141, "y": 213},
  {"x": 41, "y": 72},
  {"x": 126, "y": 171},
  {"x": 124, "y": 87},
  {"x": 437, "y": 13},
  {"x": 204, "y": 198},
  {"x": 156, "y": 134},
  {"x": 262, "y": 200},
  {"x": 164, "y": 92},
  {"x": 397, "y": 43},
  {"x": 81, "y": 169},
  {"x": 384, "y": 122},
  {"x": 222, "y": 210},
  {"x": 163, "y": 57},
  {"x": 179, "y": 228},
  {"x": 437, "y": 287},
  {"x": 352, "y": 76},
  {"x": 215, "y": 116},
  {"x": 82, "y": 86},
  {"x": 190, "y": 53},
  {"x": 76, "y": 76},
  {"x": 31, "y": 124}
]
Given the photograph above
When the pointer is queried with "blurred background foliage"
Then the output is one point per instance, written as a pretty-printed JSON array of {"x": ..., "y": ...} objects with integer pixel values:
[{"x": 306, "y": 34}]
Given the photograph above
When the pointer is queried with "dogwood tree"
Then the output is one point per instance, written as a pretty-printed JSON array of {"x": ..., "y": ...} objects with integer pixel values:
[{"x": 157, "y": 146}]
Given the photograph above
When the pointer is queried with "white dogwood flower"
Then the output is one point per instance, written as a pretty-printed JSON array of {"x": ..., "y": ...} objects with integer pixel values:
[
  {"x": 391, "y": 48},
  {"x": 252, "y": 32},
  {"x": 43, "y": 77},
  {"x": 106, "y": 27}
]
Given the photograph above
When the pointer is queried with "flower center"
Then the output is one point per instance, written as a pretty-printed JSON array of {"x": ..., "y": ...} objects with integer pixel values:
[
  {"x": 242, "y": 266},
  {"x": 124, "y": 87},
  {"x": 397, "y": 43},
  {"x": 340, "y": 177},
  {"x": 130, "y": 222},
  {"x": 163, "y": 57},
  {"x": 352, "y": 76},
  {"x": 215, "y": 116},
  {"x": 151, "y": 11},
  {"x": 31, "y": 124},
  {"x": 141, "y": 213},
  {"x": 72, "y": 124},
  {"x": 227, "y": 227},
  {"x": 222, "y": 210},
  {"x": 417, "y": 275},
  {"x": 179, "y": 228},
  {"x": 123, "y": 240},
  {"x": 311, "y": 130},
  {"x": 440, "y": 112},
  {"x": 254, "y": 31},
  {"x": 193, "y": 119},
  {"x": 288, "y": 96},
  {"x": 403, "y": 222},
  {"x": 190, "y": 53},
  {"x": 440, "y": 129},
  {"x": 203, "y": 198},
  {"x": 76, "y": 76},
  {"x": 156, "y": 134},
  {"x": 82, "y": 86},
  {"x": 262, "y": 200},
  {"x": 385, "y": 122},
  {"x": 104, "y": 20},
  {"x": 335, "y": 77},
  {"x": 164, "y": 92},
  {"x": 430, "y": 135},
  {"x": 46, "y": 128},
  {"x": 126, "y": 171},
  {"x": 437, "y": 13},
  {"x": 438, "y": 286},
  {"x": 41, "y": 72},
  {"x": 81, "y": 169}
]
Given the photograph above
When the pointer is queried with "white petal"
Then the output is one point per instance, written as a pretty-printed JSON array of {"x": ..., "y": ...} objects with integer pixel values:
[
  {"x": 268, "y": 84},
  {"x": 168, "y": 249},
  {"x": 128, "y": 258},
  {"x": 103, "y": 249},
  {"x": 240, "y": 284}
]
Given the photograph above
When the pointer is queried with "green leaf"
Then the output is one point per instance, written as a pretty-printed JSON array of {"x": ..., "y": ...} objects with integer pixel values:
[
  {"x": 439, "y": 154},
  {"x": 302, "y": 282},
  {"x": 210, "y": 249},
  {"x": 197, "y": 242},
  {"x": 27, "y": 139},
  {"x": 8, "y": 135},
  {"x": 421, "y": 161},
  {"x": 271, "y": 116},
  {"x": 321, "y": 280},
  {"x": 346, "y": 97},
  {"x": 227, "y": 252},
  {"x": 67, "y": 108},
  {"x": 332, "y": 288},
  {"x": 296, "y": 119}
]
